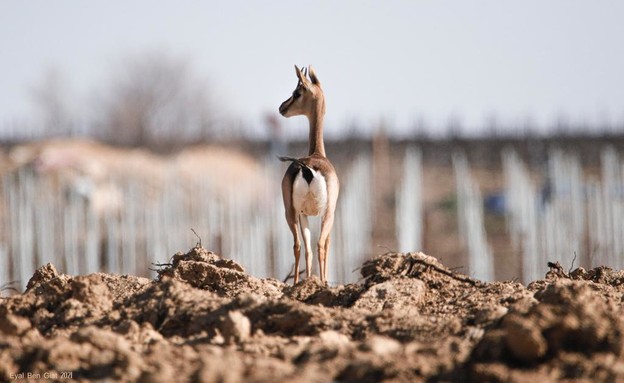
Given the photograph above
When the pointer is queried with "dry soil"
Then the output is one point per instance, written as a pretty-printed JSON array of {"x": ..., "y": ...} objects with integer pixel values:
[{"x": 204, "y": 319}]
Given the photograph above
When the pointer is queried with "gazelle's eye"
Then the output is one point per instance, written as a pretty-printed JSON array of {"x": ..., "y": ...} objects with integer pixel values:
[{"x": 296, "y": 94}]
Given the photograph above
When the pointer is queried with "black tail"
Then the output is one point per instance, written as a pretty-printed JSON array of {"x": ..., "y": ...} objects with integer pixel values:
[
  {"x": 295, "y": 160},
  {"x": 305, "y": 169}
]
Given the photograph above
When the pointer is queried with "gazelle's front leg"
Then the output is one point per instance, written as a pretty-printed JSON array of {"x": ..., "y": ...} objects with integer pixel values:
[
  {"x": 323, "y": 243},
  {"x": 326, "y": 254},
  {"x": 305, "y": 231}
]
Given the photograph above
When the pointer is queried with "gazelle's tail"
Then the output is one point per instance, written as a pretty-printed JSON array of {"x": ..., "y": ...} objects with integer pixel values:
[
  {"x": 308, "y": 173},
  {"x": 295, "y": 160}
]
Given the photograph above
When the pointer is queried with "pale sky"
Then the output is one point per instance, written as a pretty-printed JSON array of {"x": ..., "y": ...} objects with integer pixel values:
[{"x": 399, "y": 61}]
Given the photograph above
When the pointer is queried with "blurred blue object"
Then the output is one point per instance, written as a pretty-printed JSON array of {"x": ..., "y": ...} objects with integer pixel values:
[{"x": 495, "y": 203}]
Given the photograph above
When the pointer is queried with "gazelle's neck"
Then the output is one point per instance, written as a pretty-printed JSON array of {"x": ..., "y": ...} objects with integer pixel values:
[{"x": 315, "y": 142}]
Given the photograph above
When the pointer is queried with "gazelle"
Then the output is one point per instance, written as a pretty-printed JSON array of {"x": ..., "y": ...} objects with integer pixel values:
[{"x": 310, "y": 186}]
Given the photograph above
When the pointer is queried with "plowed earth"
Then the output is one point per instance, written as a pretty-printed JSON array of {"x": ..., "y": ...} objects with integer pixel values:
[{"x": 409, "y": 319}]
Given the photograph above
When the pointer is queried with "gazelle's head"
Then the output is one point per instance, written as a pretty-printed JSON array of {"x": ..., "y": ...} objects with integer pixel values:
[{"x": 307, "y": 98}]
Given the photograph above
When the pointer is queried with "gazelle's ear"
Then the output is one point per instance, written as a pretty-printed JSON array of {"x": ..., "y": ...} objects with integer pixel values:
[
  {"x": 313, "y": 77},
  {"x": 302, "y": 78}
]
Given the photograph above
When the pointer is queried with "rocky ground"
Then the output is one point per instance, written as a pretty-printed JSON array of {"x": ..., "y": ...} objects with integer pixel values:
[{"x": 409, "y": 319}]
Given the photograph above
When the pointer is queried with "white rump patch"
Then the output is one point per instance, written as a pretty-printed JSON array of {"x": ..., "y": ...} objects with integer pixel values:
[{"x": 310, "y": 199}]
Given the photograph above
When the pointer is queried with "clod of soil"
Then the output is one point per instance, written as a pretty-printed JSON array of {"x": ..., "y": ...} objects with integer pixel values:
[{"x": 410, "y": 319}]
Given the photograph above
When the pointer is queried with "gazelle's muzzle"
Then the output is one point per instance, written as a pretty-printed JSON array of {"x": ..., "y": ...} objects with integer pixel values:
[{"x": 284, "y": 107}]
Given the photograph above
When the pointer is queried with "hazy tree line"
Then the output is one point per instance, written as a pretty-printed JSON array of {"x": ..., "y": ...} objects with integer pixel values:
[
  {"x": 152, "y": 99},
  {"x": 158, "y": 100}
]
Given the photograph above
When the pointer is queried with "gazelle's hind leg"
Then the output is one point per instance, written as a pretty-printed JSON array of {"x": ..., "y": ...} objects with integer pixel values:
[
  {"x": 305, "y": 231},
  {"x": 323, "y": 244},
  {"x": 296, "y": 248},
  {"x": 327, "y": 242}
]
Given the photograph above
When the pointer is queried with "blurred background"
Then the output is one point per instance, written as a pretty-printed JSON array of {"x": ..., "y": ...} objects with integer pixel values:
[{"x": 488, "y": 134}]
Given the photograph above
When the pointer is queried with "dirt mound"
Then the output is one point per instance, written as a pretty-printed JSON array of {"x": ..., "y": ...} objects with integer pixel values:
[
  {"x": 409, "y": 319},
  {"x": 573, "y": 331}
]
